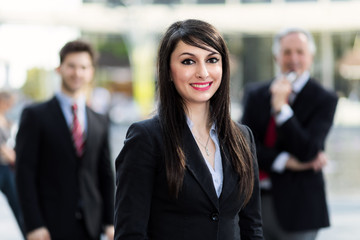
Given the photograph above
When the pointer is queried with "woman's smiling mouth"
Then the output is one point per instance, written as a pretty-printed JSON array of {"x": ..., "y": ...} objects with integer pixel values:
[{"x": 201, "y": 86}]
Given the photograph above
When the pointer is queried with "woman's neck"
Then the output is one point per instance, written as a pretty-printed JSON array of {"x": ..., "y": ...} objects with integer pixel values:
[{"x": 199, "y": 116}]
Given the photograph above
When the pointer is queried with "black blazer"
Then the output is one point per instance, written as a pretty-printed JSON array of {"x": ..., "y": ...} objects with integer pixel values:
[
  {"x": 299, "y": 197},
  {"x": 52, "y": 181},
  {"x": 145, "y": 210}
]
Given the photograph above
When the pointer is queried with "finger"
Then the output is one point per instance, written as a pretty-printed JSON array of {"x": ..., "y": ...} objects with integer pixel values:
[
  {"x": 322, "y": 159},
  {"x": 315, "y": 165},
  {"x": 320, "y": 165}
]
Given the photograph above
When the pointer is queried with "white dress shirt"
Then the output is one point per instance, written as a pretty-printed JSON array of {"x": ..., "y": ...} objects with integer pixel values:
[{"x": 66, "y": 103}]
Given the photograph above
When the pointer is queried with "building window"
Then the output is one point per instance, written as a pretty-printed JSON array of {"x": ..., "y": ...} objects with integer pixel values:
[
  {"x": 255, "y": 1},
  {"x": 210, "y": 1},
  {"x": 166, "y": 1}
]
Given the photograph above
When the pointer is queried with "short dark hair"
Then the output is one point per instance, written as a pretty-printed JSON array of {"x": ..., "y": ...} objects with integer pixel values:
[{"x": 77, "y": 46}]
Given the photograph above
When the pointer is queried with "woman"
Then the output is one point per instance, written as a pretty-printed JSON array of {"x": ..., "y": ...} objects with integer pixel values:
[{"x": 190, "y": 172}]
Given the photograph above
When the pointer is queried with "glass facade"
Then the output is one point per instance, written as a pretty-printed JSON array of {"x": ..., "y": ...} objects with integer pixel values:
[
  {"x": 343, "y": 43},
  {"x": 167, "y": 1},
  {"x": 210, "y": 1}
]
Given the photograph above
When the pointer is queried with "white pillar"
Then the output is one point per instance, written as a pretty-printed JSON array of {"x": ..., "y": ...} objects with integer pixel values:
[{"x": 327, "y": 60}]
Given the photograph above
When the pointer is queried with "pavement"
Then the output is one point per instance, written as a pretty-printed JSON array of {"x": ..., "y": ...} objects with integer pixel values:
[
  {"x": 345, "y": 220},
  {"x": 8, "y": 227}
]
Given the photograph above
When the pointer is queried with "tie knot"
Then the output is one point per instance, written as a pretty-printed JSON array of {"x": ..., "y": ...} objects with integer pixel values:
[{"x": 74, "y": 107}]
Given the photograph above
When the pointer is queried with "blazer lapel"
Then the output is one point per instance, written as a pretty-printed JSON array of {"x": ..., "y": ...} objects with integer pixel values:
[
  {"x": 197, "y": 167},
  {"x": 230, "y": 177},
  {"x": 61, "y": 124},
  {"x": 302, "y": 110},
  {"x": 88, "y": 137},
  {"x": 267, "y": 103},
  {"x": 264, "y": 110}
]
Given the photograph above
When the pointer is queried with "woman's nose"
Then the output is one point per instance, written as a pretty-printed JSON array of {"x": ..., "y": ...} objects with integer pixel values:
[{"x": 202, "y": 72}]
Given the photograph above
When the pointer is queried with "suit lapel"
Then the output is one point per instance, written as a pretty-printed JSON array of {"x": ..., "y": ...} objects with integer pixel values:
[
  {"x": 264, "y": 109},
  {"x": 89, "y": 136},
  {"x": 197, "y": 167},
  {"x": 301, "y": 109},
  {"x": 230, "y": 177},
  {"x": 61, "y": 124},
  {"x": 267, "y": 103}
]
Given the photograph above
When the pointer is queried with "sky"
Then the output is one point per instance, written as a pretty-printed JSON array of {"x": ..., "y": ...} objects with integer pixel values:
[{"x": 23, "y": 47}]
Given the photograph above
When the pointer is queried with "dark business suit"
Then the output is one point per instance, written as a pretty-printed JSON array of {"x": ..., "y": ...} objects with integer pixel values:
[
  {"x": 299, "y": 197},
  {"x": 53, "y": 183},
  {"x": 145, "y": 210}
]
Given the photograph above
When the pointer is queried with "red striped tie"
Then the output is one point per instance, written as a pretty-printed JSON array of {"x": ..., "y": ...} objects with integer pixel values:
[{"x": 77, "y": 132}]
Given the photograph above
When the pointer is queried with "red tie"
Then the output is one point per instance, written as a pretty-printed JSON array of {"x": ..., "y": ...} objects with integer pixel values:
[
  {"x": 270, "y": 136},
  {"x": 269, "y": 141},
  {"x": 77, "y": 132}
]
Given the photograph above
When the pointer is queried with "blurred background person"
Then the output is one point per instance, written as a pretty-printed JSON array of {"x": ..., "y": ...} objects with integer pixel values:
[
  {"x": 7, "y": 159},
  {"x": 290, "y": 117},
  {"x": 65, "y": 179},
  {"x": 189, "y": 172}
]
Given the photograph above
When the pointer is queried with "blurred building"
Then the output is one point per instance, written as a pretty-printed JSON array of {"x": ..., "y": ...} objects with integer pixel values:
[{"x": 126, "y": 34}]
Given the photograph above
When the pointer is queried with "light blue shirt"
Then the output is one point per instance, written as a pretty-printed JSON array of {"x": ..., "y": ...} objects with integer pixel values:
[
  {"x": 217, "y": 171},
  {"x": 66, "y": 102}
]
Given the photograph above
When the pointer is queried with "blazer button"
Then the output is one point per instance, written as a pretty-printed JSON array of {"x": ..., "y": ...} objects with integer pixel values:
[{"x": 214, "y": 217}]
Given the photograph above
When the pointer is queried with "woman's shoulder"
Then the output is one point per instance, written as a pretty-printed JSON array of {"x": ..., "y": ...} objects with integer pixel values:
[
  {"x": 146, "y": 129},
  {"x": 245, "y": 130},
  {"x": 151, "y": 125},
  {"x": 145, "y": 134}
]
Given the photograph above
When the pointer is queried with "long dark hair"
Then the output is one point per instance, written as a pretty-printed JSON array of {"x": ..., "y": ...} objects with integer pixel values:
[{"x": 172, "y": 107}]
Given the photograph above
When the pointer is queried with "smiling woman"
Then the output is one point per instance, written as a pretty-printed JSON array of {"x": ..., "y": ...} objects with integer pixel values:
[
  {"x": 190, "y": 172},
  {"x": 196, "y": 72}
]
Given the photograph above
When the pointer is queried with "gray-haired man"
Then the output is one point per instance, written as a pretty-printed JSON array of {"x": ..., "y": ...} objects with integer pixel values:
[{"x": 290, "y": 117}]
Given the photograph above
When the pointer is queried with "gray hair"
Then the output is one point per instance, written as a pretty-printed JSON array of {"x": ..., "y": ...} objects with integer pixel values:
[{"x": 287, "y": 31}]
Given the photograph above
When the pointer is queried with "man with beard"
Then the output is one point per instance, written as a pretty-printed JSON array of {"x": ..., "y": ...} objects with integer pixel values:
[{"x": 64, "y": 175}]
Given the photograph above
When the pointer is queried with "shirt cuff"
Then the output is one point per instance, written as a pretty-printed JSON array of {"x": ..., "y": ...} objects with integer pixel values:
[
  {"x": 285, "y": 113},
  {"x": 280, "y": 162}
]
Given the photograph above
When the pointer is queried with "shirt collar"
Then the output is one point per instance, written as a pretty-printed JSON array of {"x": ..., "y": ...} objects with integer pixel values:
[
  {"x": 300, "y": 82},
  {"x": 191, "y": 124},
  {"x": 65, "y": 100}
]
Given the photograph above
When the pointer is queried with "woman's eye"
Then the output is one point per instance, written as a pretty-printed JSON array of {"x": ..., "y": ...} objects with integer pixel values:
[
  {"x": 213, "y": 60},
  {"x": 187, "y": 62}
]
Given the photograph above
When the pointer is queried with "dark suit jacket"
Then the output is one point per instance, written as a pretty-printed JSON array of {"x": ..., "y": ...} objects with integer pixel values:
[
  {"x": 299, "y": 197},
  {"x": 52, "y": 181},
  {"x": 144, "y": 209}
]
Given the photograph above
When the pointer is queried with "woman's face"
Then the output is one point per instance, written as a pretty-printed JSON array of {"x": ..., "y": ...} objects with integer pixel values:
[{"x": 196, "y": 72}]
